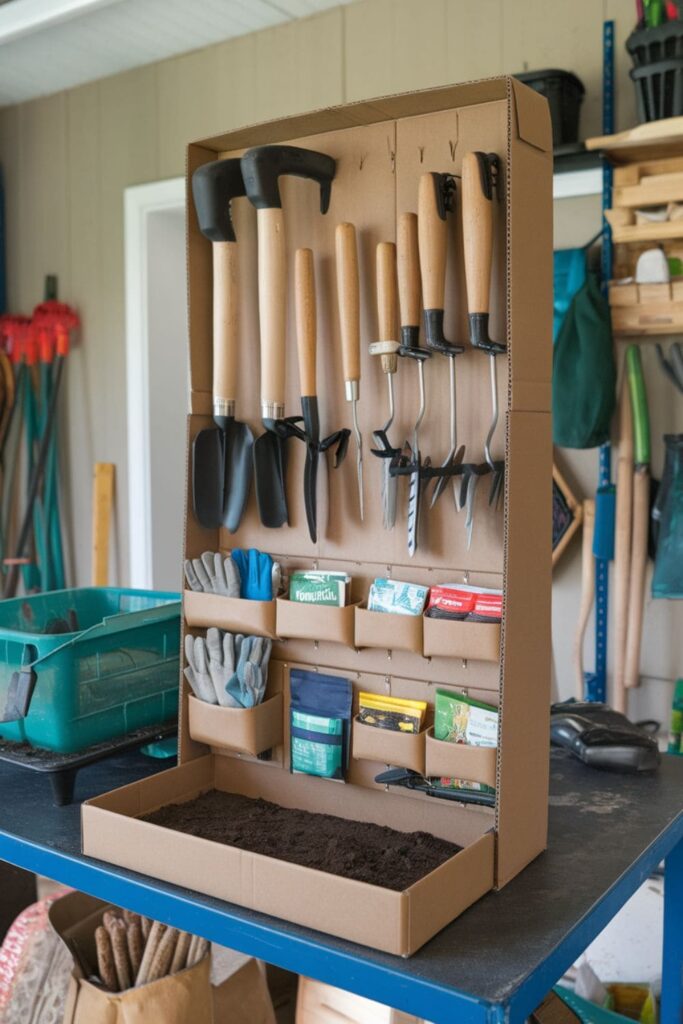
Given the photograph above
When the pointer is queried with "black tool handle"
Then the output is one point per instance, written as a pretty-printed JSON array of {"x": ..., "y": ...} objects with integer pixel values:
[
  {"x": 435, "y": 196},
  {"x": 214, "y": 186},
  {"x": 263, "y": 166}
]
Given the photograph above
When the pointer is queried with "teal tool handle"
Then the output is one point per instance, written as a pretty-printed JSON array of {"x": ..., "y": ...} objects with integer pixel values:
[{"x": 641, "y": 416}]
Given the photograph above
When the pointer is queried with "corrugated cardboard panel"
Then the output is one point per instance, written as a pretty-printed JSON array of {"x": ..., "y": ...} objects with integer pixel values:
[{"x": 524, "y": 726}]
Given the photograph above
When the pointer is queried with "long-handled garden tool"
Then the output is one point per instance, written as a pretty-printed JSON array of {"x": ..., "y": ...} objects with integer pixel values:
[
  {"x": 346, "y": 253},
  {"x": 262, "y": 168},
  {"x": 222, "y": 462},
  {"x": 641, "y": 514},
  {"x": 587, "y": 593},
  {"x": 306, "y": 338},
  {"x": 622, "y": 543},
  {"x": 436, "y": 198},
  {"x": 480, "y": 172},
  {"x": 409, "y": 460},
  {"x": 387, "y": 349},
  {"x": 61, "y": 319}
]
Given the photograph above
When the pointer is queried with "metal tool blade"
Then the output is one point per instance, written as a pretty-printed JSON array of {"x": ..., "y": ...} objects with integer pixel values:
[
  {"x": 389, "y": 482},
  {"x": 359, "y": 456},
  {"x": 238, "y": 467},
  {"x": 309, "y": 408},
  {"x": 469, "y": 505},
  {"x": 207, "y": 477},
  {"x": 413, "y": 502},
  {"x": 269, "y": 478}
]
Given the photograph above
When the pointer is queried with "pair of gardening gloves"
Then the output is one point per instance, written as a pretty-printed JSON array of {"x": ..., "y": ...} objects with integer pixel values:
[
  {"x": 227, "y": 668},
  {"x": 248, "y": 574}
]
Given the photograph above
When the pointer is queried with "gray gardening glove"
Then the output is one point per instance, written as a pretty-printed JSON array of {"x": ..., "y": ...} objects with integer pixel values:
[
  {"x": 197, "y": 673},
  {"x": 248, "y": 683},
  {"x": 221, "y": 651},
  {"x": 226, "y": 577},
  {"x": 196, "y": 573}
]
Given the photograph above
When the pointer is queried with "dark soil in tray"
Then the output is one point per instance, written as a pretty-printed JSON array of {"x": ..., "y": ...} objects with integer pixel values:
[{"x": 353, "y": 849}]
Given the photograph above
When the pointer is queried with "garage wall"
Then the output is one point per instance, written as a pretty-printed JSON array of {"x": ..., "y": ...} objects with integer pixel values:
[{"x": 67, "y": 159}]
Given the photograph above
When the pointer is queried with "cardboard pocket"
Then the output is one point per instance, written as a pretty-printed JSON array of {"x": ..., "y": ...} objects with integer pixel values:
[
  {"x": 233, "y": 614},
  {"x": 388, "y": 746},
  {"x": 244, "y": 730},
  {"x": 315, "y": 621},
  {"x": 387, "y": 630},
  {"x": 460, "y": 761},
  {"x": 457, "y": 638}
]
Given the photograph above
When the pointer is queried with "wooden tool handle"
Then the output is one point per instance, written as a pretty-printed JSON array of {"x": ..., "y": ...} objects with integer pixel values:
[
  {"x": 387, "y": 302},
  {"x": 348, "y": 296},
  {"x": 587, "y": 593},
  {"x": 433, "y": 243},
  {"x": 272, "y": 285},
  {"x": 636, "y": 591},
  {"x": 622, "y": 545},
  {"x": 408, "y": 260},
  {"x": 304, "y": 298},
  {"x": 477, "y": 232},
  {"x": 225, "y": 303}
]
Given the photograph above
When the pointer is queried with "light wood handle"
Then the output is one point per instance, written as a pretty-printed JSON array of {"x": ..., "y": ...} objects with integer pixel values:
[
  {"x": 225, "y": 322},
  {"x": 433, "y": 243},
  {"x": 636, "y": 590},
  {"x": 408, "y": 261},
  {"x": 272, "y": 285},
  {"x": 477, "y": 232},
  {"x": 387, "y": 302},
  {"x": 587, "y": 593},
  {"x": 348, "y": 296},
  {"x": 304, "y": 298},
  {"x": 622, "y": 545},
  {"x": 102, "y": 506}
]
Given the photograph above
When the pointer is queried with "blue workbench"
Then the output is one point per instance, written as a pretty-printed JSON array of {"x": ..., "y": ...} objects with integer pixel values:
[{"x": 495, "y": 963}]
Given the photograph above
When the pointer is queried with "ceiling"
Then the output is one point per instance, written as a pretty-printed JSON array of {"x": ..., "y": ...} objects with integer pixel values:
[{"x": 49, "y": 45}]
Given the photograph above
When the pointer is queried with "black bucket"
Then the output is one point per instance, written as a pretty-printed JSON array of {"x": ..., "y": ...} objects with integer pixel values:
[{"x": 564, "y": 92}]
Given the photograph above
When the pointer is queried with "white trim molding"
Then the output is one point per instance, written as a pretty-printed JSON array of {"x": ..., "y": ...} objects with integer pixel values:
[{"x": 140, "y": 201}]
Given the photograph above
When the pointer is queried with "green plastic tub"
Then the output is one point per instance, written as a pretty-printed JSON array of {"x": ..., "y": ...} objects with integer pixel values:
[{"x": 106, "y": 662}]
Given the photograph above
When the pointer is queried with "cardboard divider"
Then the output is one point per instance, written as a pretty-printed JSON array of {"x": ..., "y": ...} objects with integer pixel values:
[
  {"x": 457, "y": 638},
  {"x": 460, "y": 761},
  {"x": 256, "y": 618},
  {"x": 315, "y": 621},
  {"x": 389, "y": 631},
  {"x": 388, "y": 746},
  {"x": 241, "y": 730}
]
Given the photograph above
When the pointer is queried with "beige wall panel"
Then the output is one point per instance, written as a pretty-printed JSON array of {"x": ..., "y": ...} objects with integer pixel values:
[
  {"x": 395, "y": 45},
  {"x": 42, "y": 199},
  {"x": 299, "y": 66},
  {"x": 10, "y": 134},
  {"x": 191, "y": 103},
  {"x": 475, "y": 38},
  {"x": 569, "y": 37}
]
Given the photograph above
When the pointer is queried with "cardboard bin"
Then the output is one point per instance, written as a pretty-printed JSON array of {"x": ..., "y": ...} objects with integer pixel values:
[{"x": 382, "y": 147}]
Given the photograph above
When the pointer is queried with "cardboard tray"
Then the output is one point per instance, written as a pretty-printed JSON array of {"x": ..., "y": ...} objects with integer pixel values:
[
  {"x": 455, "y": 638},
  {"x": 401, "y": 749},
  {"x": 395, "y": 922},
  {"x": 246, "y": 731},
  {"x": 460, "y": 761},
  {"x": 389, "y": 631},
  {"x": 230, "y": 613}
]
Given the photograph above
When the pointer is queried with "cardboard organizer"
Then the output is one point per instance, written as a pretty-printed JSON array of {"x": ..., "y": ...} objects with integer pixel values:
[{"x": 381, "y": 148}]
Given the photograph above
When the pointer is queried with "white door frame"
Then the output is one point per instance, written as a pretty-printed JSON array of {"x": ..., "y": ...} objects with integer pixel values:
[{"x": 140, "y": 201}]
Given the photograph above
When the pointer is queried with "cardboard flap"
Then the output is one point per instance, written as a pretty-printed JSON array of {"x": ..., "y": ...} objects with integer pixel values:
[{"x": 532, "y": 115}]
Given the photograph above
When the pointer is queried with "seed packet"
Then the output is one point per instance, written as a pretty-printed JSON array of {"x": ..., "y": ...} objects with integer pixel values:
[
  {"x": 397, "y": 597},
  {"x": 391, "y": 712},
  {"x": 314, "y": 587},
  {"x": 461, "y": 601},
  {"x": 320, "y": 716},
  {"x": 460, "y": 719}
]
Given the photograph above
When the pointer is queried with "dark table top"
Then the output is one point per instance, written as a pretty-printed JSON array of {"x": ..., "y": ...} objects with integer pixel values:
[{"x": 607, "y": 832}]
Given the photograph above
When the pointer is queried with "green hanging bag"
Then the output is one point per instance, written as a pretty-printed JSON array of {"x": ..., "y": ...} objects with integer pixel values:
[{"x": 584, "y": 371}]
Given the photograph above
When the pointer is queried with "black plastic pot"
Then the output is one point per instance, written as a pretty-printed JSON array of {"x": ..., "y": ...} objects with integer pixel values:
[
  {"x": 657, "y": 55},
  {"x": 564, "y": 92}
]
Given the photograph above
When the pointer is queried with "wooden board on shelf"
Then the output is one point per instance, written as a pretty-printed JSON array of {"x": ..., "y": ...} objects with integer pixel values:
[{"x": 644, "y": 142}]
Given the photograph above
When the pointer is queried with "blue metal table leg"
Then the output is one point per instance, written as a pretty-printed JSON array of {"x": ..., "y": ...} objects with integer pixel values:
[{"x": 672, "y": 960}]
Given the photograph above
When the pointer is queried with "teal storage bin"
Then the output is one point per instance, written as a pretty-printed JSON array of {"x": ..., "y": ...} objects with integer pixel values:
[{"x": 111, "y": 668}]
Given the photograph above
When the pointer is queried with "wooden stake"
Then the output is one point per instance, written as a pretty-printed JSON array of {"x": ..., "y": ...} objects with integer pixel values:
[
  {"x": 587, "y": 592},
  {"x": 102, "y": 504}
]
